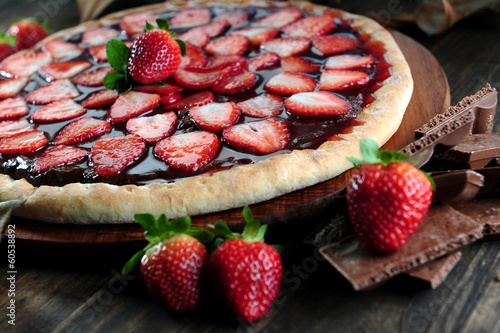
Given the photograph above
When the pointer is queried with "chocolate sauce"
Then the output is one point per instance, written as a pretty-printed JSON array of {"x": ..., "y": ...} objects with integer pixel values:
[{"x": 306, "y": 132}]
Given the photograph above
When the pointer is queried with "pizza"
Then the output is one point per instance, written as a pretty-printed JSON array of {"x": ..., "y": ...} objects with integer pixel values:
[{"x": 269, "y": 98}]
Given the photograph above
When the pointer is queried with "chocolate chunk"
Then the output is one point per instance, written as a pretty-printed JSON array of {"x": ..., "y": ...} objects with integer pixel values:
[
  {"x": 491, "y": 177},
  {"x": 443, "y": 230},
  {"x": 457, "y": 186},
  {"x": 475, "y": 151},
  {"x": 435, "y": 272}
]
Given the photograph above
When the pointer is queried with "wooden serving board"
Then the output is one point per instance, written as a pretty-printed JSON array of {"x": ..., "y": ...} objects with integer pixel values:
[{"x": 431, "y": 95}]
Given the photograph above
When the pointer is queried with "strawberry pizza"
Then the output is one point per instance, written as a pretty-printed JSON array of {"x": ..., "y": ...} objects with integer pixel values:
[{"x": 193, "y": 107}]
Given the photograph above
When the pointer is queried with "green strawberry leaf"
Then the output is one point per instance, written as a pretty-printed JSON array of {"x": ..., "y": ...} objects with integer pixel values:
[
  {"x": 162, "y": 23},
  {"x": 180, "y": 225},
  {"x": 222, "y": 229},
  {"x": 148, "y": 27},
  {"x": 369, "y": 150},
  {"x": 201, "y": 234},
  {"x": 129, "y": 266},
  {"x": 371, "y": 154},
  {"x": 147, "y": 221},
  {"x": 182, "y": 46}
]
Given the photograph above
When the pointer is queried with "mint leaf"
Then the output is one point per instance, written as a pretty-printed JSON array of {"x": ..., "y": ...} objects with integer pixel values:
[
  {"x": 115, "y": 81},
  {"x": 118, "y": 54}
]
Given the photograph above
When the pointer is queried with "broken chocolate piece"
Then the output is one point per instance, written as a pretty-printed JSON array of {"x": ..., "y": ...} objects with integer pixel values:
[
  {"x": 462, "y": 185},
  {"x": 435, "y": 272},
  {"x": 443, "y": 230},
  {"x": 491, "y": 177}
]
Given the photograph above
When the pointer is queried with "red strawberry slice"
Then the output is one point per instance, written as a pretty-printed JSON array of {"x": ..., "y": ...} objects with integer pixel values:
[
  {"x": 190, "y": 17},
  {"x": 171, "y": 98},
  {"x": 110, "y": 156},
  {"x": 195, "y": 57},
  {"x": 280, "y": 18},
  {"x": 58, "y": 156},
  {"x": 236, "y": 83},
  {"x": 99, "y": 36},
  {"x": 134, "y": 24},
  {"x": 299, "y": 65},
  {"x": 334, "y": 43},
  {"x": 256, "y": 35},
  {"x": 22, "y": 143},
  {"x": 165, "y": 88},
  {"x": 235, "y": 17},
  {"x": 349, "y": 61},
  {"x": 188, "y": 151},
  {"x": 212, "y": 29},
  {"x": 132, "y": 104},
  {"x": 236, "y": 62},
  {"x": 232, "y": 44},
  {"x": 263, "y": 136},
  {"x": 55, "y": 91},
  {"x": 197, "y": 99},
  {"x": 100, "y": 98},
  {"x": 286, "y": 47},
  {"x": 63, "y": 70},
  {"x": 262, "y": 61},
  {"x": 201, "y": 78},
  {"x": 59, "y": 49},
  {"x": 58, "y": 111},
  {"x": 215, "y": 116},
  {"x": 12, "y": 108},
  {"x": 195, "y": 37},
  {"x": 12, "y": 127},
  {"x": 338, "y": 79},
  {"x": 94, "y": 78},
  {"x": 262, "y": 106},
  {"x": 153, "y": 128},
  {"x": 290, "y": 83},
  {"x": 310, "y": 26},
  {"x": 12, "y": 87},
  {"x": 317, "y": 103},
  {"x": 85, "y": 128},
  {"x": 25, "y": 64}
]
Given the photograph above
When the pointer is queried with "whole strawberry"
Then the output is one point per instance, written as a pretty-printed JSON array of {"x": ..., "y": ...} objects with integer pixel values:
[
  {"x": 27, "y": 32},
  {"x": 173, "y": 264},
  {"x": 387, "y": 198},
  {"x": 245, "y": 270},
  {"x": 154, "y": 55}
]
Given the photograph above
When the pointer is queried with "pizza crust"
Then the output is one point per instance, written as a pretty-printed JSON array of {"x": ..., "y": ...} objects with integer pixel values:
[{"x": 101, "y": 203}]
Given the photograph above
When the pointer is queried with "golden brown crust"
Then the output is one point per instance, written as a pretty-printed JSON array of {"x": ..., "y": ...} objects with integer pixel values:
[{"x": 278, "y": 175}]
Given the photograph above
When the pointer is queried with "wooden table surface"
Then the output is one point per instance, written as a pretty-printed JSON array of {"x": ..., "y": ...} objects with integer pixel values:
[{"x": 80, "y": 290}]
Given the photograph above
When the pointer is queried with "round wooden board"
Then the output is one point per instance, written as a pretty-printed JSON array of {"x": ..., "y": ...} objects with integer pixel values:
[{"x": 430, "y": 96}]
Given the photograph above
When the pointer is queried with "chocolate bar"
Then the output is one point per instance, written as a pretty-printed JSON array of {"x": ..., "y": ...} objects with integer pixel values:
[
  {"x": 435, "y": 272},
  {"x": 443, "y": 230},
  {"x": 457, "y": 186}
]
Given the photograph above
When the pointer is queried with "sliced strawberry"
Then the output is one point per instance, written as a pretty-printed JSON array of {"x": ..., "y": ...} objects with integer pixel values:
[
  {"x": 165, "y": 88},
  {"x": 338, "y": 79},
  {"x": 12, "y": 87},
  {"x": 197, "y": 99},
  {"x": 85, "y": 128},
  {"x": 215, "y": 116},
  {"x": 63, "y": 70},
  {"x": 256, "y": 35},
  {"x": 201, "y": 78},
  {"x": 134, "y": 24},
  {"x": 99, "y": 36},
  {"x": 262, "y": 61},
  {"x": 12, "y": 108},
  {"x": 235, "y": 61},
  {"x": 310, "y": 26},
  {"x": 22, "y": 143},
  {"x": 286, "y": 47},
  {"x": 290, "y": 83},
  {"x": 236, "y": 83},
  {"x": 132, "y": 104},
  {"x": 12, "y": 127},
  {"x": 188, "y": 151},
  {"x": 195, "y": 37},
  {"x": 263, "y": 136},
  {"x": 212, "y": 29},
  {"x": 58, "y": 156},
  {"x": 98, "y": 53},
  {"x": 280, "y": 18},
  {"x": 234, "y": 17},
  {"x": 262, "y": 106},
  {"x": 58, "y": 111},
  {"x": 349, "y": 61},
  {"x": 232, "y": 44},
  {"x": 110, "y": 156},
  {"x": 299, "y": 65},
  {"x": 190, "y": 17},
  {"x": 100, "y": 98},
  {"x": 94, "y": 78},
  {"x": 153, "y": 128},
  {"x": 59, "y": 49},
  {"x": 334, "y": 43},
  {"x": 317, "y": 103},
  {"x": 55, "y": 91},
  {"x": 25, "y": 64},
  {"x": 171, "y": 98},
  {"x": 195, "y": 57}
]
